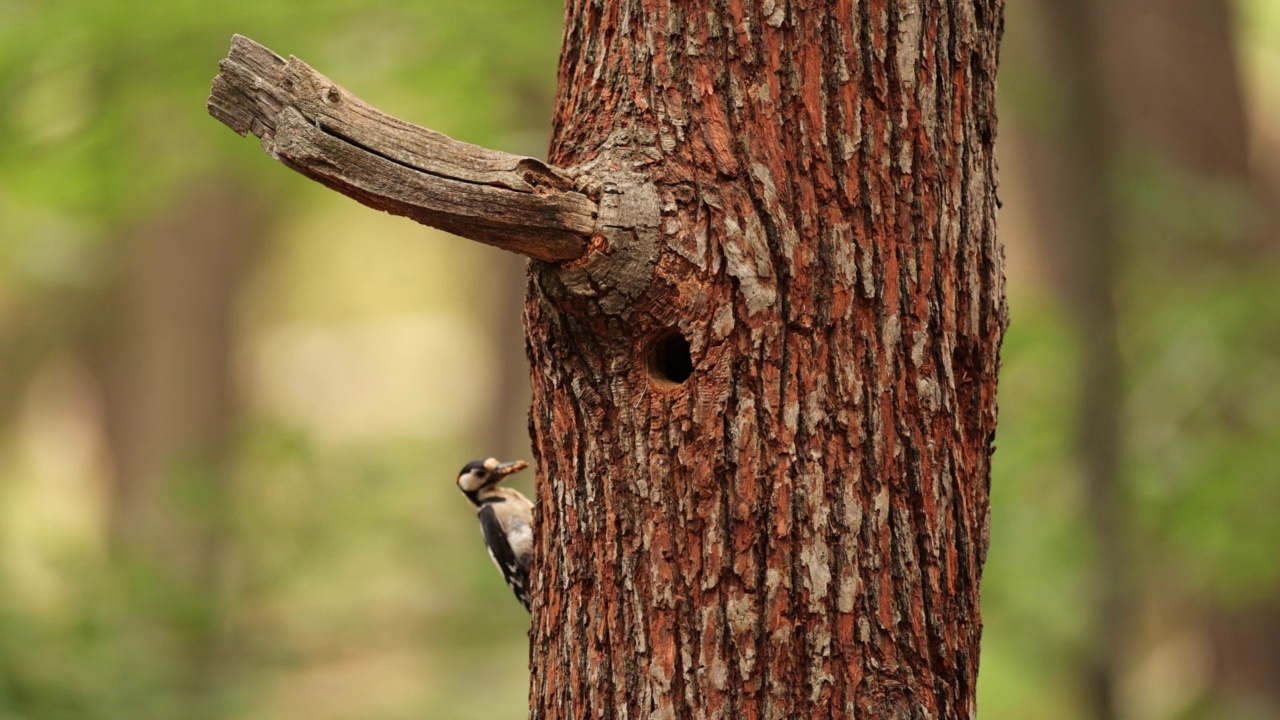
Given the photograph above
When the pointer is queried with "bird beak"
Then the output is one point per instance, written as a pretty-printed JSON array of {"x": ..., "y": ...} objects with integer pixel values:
[{"x": 509, "y": 468}]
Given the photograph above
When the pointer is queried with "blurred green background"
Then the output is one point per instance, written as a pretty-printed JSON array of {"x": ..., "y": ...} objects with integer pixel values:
[{"x": 232, "y": 402}]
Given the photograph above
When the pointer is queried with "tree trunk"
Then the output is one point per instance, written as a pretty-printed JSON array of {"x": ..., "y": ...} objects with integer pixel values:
[
  {"x": 764, "y": 322},
  {"x": 1165, "y": 100},
  {"x": 764, "y": 452},
  {"x": 1089, "y": 138},
  {"x": 166, "y": 364}
]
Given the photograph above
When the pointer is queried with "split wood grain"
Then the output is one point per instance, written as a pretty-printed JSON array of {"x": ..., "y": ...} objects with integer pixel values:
[{"x": 316, "y": 127}]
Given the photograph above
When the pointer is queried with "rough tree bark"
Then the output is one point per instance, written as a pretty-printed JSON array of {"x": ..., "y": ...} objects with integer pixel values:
[
  {"x": 764, "y": 394},
  {"x": 798, "y": 528}
]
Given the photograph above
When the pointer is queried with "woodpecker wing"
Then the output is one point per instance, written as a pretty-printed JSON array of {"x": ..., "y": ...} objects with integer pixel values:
[{"x": 495, "y": 538}]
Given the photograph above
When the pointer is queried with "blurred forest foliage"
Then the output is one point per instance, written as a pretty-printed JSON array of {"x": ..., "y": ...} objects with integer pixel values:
[{"x": 232, "y": 403}]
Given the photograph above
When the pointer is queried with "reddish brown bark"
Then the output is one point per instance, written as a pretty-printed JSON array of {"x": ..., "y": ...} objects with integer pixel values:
[{"x": 798, "y": 529}]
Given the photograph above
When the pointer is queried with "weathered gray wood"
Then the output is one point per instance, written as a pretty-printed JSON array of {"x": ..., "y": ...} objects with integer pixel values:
[{"x": 316, "y": 127}]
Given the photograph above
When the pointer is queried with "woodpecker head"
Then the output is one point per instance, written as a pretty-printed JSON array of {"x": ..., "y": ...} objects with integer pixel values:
[{"x": 478, "y": 475}]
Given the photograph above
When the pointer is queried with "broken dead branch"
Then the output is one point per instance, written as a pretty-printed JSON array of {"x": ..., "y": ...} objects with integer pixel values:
[{"x": 321, "y": 130}]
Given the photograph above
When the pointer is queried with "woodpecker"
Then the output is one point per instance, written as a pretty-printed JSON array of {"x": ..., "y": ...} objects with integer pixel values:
[{"x": 506, "y": 519}]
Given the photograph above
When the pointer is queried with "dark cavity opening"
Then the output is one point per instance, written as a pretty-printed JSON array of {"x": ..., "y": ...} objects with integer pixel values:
[{"x": 669, "y": 358}]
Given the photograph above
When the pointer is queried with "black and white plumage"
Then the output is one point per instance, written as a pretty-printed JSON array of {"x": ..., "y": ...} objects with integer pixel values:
[{"x": 506, "y": 519}]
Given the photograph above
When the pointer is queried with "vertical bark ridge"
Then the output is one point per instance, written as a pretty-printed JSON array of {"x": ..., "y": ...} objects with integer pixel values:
[{"x": 798, "y": 529}]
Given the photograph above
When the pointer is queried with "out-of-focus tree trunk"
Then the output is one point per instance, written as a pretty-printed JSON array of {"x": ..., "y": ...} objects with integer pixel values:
[
  {"x": 1172, "y": 82},
  {"x": 763, "y": 471},
  {"x": 171, "y": 403},
  {"x": 1170, "y": 98},
  {"x": 1175, "y": 95},
  {"x": 1151, "y": 100},
  {"x": 1246, "y": 642},
  {"x": 505, "y": 436},
  {"x": 1090, "y": 151}
]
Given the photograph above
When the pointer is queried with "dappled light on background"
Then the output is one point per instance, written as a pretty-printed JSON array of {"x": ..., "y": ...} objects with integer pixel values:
[
  {"x": 53, "y": 502},
  {"x": 231, "y": 419},
  {"x": 424, "y": 376},
  {"x": 284, "y": 540},
  {"x": 1191, "y": 192}
]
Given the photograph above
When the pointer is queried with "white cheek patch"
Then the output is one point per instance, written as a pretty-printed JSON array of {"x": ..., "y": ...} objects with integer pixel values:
[{"x": 471, "y": 481}]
